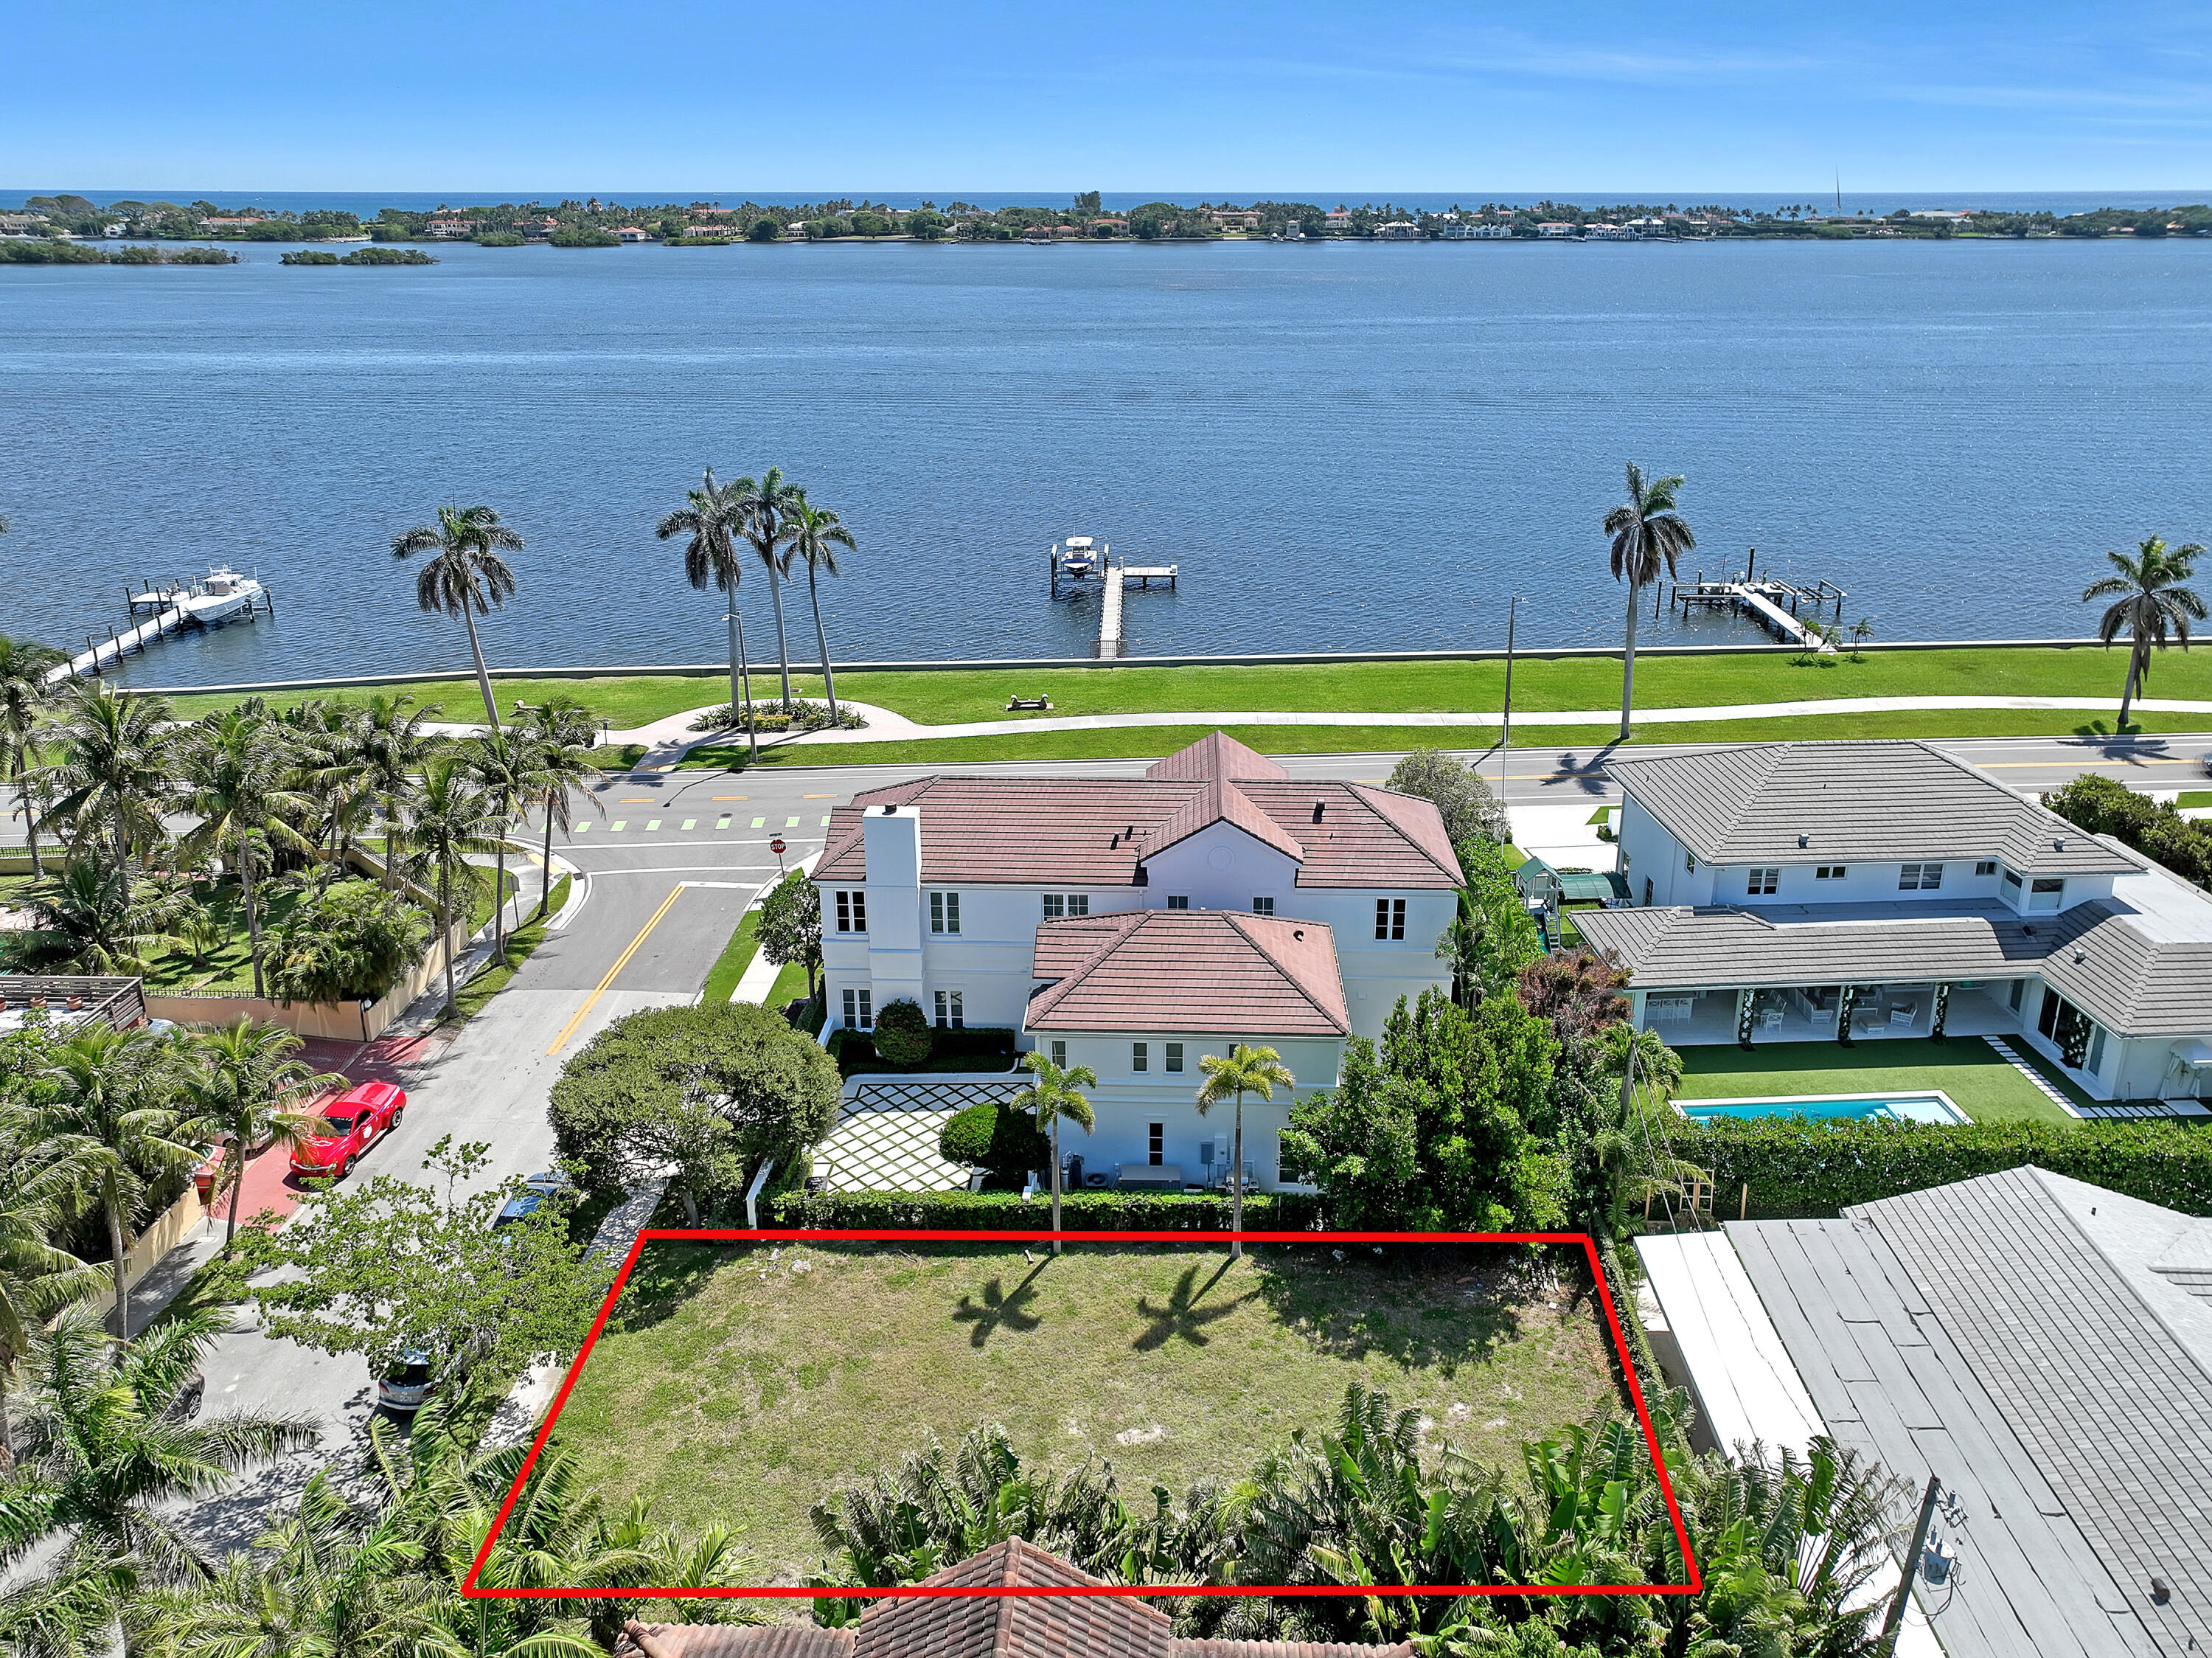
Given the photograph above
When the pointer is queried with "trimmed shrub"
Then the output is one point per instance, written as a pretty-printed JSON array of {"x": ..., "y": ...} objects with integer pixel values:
[
  {"x": 988, "y": 1047},
  {"x": 903, "y": 1034},
  {"x": 993, "y": 1136},
  {"x": 1799, "y": 1168},
  {"x": 1079, "y": 1211}
]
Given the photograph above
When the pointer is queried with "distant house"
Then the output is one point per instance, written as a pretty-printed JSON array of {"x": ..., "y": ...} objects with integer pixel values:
[
  {"x": 22, "y": 224},
  {"x": 538, "y": 229},
  {"x": 1607, "y": 232},
  {"x": 1471, "y": 230},
  {"x": 1235, "y": 218},
  {"x": 1109, "y": 227},
  {"x": 1554, "y": 229},
  {"x": 1941, "y": 215},
  {"x": 633, "y": 233},
  {"x": 1038, "y": 233},
  {"x": 1400, "y": 231},
  {"x": 450, "y": 230},
  {"x": 229, "y": 224},
  {"x": 1340, "y": 219}
]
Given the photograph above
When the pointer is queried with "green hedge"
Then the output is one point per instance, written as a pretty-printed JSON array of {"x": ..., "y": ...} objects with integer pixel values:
[
  {"x": 1799, "y": 1168},
  {"x": 1085, "y": 1211},
  {"x": 990, "y": 1047}
]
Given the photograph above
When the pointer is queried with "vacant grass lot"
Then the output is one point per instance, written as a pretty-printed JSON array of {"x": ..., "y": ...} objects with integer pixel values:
[
  {"x": 1965, "y": 1067},
  {"x": 740, "y": 1384}
]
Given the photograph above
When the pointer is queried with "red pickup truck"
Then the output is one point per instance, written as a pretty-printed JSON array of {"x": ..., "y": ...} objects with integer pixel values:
[{"x": 359, "y": 1118}]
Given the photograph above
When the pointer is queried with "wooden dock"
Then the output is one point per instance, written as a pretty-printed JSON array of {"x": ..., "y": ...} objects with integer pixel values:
[
  {"x": 1117, "y": 578},
  {"x": 165, "y": 613},
  {"x": 1763, "y": 598}
]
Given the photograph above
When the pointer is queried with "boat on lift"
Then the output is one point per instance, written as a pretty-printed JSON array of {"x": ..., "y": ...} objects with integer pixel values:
[
  {"x": 224, "y": 595},
  {"x": 1080, "y": 558}
]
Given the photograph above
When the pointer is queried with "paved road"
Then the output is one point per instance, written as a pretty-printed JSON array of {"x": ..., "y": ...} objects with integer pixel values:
[{"x": 645, "y": 937}]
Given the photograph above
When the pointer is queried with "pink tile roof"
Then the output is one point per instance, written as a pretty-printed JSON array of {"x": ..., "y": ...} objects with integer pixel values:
[
  {"x": 1217, "y": 754},
  {"x": 1013, "y": 1626},
  {"x": 1208, "y": 971},
  {"x": 1095, "y": 832}
]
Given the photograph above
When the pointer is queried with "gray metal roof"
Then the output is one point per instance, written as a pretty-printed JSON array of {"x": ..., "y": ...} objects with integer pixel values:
[
  {"x": 1892, "y": 1383},
  {"x": 2109, "y": 1403},
  {"x": 2098, "y": 955},
  {"x": 1855, "y": 802}
]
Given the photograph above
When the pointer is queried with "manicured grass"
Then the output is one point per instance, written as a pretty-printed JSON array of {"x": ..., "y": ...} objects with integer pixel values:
[
  {"x": 730, "y": 967},
  {"x": 2194, "y": 797},
  {"x": 1965, "y": 1067},
  {"x": 734, "y": 1388},
  {"x": 521, "y": 943},
  {"x": 790, "y": 984}
]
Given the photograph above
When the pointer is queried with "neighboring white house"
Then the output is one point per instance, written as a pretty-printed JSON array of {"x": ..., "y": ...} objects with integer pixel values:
[
  {"x": 1467, "y": 230},
  {"x": 1288, "y": 913},
  {"x": 1555, "y": 229},
  {"x": 1819, "y": 890}
]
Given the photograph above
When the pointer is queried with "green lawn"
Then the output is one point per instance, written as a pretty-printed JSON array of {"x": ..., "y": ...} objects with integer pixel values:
[
  {"x": 730, "y": 967},
  {"x": 2195, "y": 797},
  {"x": 738, "y": 1386},
  {"x": 790, "y": 984},
  {"x": 1965, "y": 1067}
]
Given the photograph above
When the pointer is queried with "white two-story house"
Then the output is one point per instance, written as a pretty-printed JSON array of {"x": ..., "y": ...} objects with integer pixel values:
[
  {"x": 1796, "y": 892},
  {"x": 1293, "y": 914}
]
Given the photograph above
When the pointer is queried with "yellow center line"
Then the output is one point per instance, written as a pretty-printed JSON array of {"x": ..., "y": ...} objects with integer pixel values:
[{"x": 591, "y": 1001}]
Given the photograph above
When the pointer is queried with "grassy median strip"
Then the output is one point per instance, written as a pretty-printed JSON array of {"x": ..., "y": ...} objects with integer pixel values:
[
  {"x": 730, "y": 967},
  {"x": 739, "y": 1385}
]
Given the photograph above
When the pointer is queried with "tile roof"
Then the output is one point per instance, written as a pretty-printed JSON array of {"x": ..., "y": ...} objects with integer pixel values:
[
  {"x": 1208, "y": 971},
  {"x": 731, "y": 1641},
  {"x": 1864, "y": 801},
  {"x": 2100, "y": 956},
  {"x": 1217, "y": 754},
  {"x": 1220, "y": 1649},
  {"x": 1012, "y": 1626},
  {"x": 1095, "y": 832}
]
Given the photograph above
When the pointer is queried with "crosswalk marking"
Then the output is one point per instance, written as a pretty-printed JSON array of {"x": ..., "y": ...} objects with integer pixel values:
[
  {"x": 825, "y": 823},
  {"x": 759, "y": 822},
  {"x": 690, "y": 822},
  {"x": 582, "y": 826},
  {"x": 616, "y": 824},
  {"x": 724, "y": 823},
  {"x": 790, "y": 823},
  {"x": 655, "y": 823}
]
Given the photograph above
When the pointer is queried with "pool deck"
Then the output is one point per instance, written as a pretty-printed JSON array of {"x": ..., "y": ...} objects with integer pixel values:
[{"x": 1760, "y": 1106}]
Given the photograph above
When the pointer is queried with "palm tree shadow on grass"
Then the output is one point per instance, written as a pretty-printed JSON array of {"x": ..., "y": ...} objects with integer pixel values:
[
  {"x": 1181, "y": 1319},
  {"x": 1439, "y": 1311},
  {"x": 999, "y": 1310}
]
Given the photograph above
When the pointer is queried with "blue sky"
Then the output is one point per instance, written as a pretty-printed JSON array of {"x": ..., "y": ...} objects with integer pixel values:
[{"x": 1051, "y": 97}]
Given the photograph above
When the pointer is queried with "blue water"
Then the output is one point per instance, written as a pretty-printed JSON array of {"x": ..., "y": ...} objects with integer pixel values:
[
  {"x": 1343, "y": 446},
  {"x": 1907, "y": 1107}
]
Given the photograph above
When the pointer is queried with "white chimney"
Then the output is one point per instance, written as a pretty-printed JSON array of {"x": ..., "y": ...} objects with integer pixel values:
[{"x": 892, "y": 841}]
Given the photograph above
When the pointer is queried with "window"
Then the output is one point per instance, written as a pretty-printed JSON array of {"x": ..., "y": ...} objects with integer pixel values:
[
  {"x": 1174, "y": 1056},
  {"x": 2012, "y": 884},
  {"x": 1919, "y": 877},
  {"x": 1762, "y": 882},
  {"x": 1060, "y": 1054},
  {"x": 1155, "y": 1144},
  {"x": 852, "y": 911},
  {"x": 1263, "y": 906},
  {"x": 2019, "y": 988},
  {"x": 2044, "y": 893},
  {"x": 1647, "y": 891},
  {"x": 952, "y": 1012},
  {"x": 945, "y": 913},
  {"x": 1830, "y": 871},
  {"x": 859, "y": 1015},
  {"x": 1139, "y": 1055},
  {"x": 2096, "y": 1049},
  {"x": 1690, "y": 862},
  {"x": 1986, "y": 867},
  {"x": 1389, "y": 917},
  {"x": 1058, "y": 905},
  {"x": 1179, "y": 901}
]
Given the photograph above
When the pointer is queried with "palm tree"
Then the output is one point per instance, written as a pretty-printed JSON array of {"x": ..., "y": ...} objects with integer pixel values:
[
  {"x": 1056, "y": 1093},
  {"x": 814, "y": 533},
  {"x": 110, "y": 1093},
  {"x": 24, "y": 694},
  {"x": 467, "y": 577},
  {"x": 41, "y": 1175},
  {"x": 560, "y": 733},
  {"x": 2148, "y": 601},
  {"x": 244, "y": 1092},
  {"x": 504, "y": 766},
  {"x": 763, "y": 508},
  {"x": 108, "y": 1455},
  {"x": 452, "y": 822},
  {"x": 1246, "y": 1070},
  {"x": 714, "y": 516},
  {"x": 113, "y": 778},
  {"x": 238, "y": 770},
  {"x": 1647, "y": 534},
  {"x": 395, "y": 749},
  {"x": 88, "y": 917}
]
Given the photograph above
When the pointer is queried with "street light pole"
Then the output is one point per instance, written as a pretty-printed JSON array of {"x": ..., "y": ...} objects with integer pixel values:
[
  {"x": 1505, "y": 725},
  {"x": 1887, "y": 1644}
]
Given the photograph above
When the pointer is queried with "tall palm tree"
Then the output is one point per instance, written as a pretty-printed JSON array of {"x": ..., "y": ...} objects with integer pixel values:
[
  {"x": 714, "y": 516},
  {"x": 467, "y": 576},
  {"x": 111, "y": 1091},
  {"x": 1246, "y": 1070},
  {"x": 763, "y": 506},
  {"x": 238, "y": 770},
  {"x": 332, "y": 772},
  {"x": 560, "y": 733},
  {"x": 813, "y": 533},
  {"x": 2148, "y": 601},
  {"x": 246, "y": 1090},
  {"x": 24, "y": 697},
  {"x": 88, "y": 918},
  {"x": 111, "y": 778},
  {"x": 395, "y": 749},
  {"x": 1056, "y": 1093},
  {"x": 107, "y": 1460},
  {"x": 452, "y": 822},
  {"x": 41, "y": 1175},
  {"x": 1648, "y": 534},
  {"x": 504, "y": 766}
]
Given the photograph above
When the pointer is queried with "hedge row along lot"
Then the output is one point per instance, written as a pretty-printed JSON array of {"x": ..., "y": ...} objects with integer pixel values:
[
  {"x": 1539, "y": 684},
  {"x": 739, "y": 1385}
]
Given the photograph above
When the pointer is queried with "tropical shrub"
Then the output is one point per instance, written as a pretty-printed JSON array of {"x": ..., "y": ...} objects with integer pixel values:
[
  {"x": 2103, "y": 806},
  {"x": 709, "y": 1092},
  {"x": 582, "y": 235},
  {"x": 991, "y": 1137},
  {"x": 351, "y": 941},
  {"x": 1470, "y": 808},
  {"x": 1080, "y": 1211},
  {"x": 903, "y": 1034}
]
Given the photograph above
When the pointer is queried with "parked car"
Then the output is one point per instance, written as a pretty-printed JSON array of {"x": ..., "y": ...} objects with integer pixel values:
[
  {"x": 358, "y": 1119},
  {"x": 405, "y": 1387},
  {"x": 538, "y": 1190}
]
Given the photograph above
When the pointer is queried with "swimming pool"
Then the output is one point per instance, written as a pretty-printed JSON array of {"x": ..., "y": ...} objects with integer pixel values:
[{"x": 1918, "y": 1106}]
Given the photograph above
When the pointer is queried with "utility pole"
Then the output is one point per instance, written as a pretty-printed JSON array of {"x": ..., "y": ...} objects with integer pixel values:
[
  {"x": 1505, "y": 725},
  {"x": 1890, "y": 1626}
]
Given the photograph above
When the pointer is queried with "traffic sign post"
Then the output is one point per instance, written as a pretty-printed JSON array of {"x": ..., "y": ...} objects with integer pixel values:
[{"x": 776, "y": 847}]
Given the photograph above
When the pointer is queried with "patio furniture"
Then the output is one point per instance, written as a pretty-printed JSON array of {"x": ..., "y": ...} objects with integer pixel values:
[
  {"x": 1148, "y": 1177},
  {"x": 1770, "y": 1019},
  {"x": 1905, "y": 1013},
  {"x": 1015, "y": 704}
]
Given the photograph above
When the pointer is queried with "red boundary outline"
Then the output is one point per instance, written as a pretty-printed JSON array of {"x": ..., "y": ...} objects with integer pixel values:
[{"x": 472, "y": 1590}]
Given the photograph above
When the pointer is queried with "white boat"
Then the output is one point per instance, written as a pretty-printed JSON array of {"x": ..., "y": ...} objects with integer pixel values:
[
  {"x": 1078, "y": 560},
  {"x": 224, "y": 595}
]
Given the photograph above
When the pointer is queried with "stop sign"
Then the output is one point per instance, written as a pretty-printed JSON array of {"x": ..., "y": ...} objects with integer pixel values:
[{"x": 776, "y": 846}]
